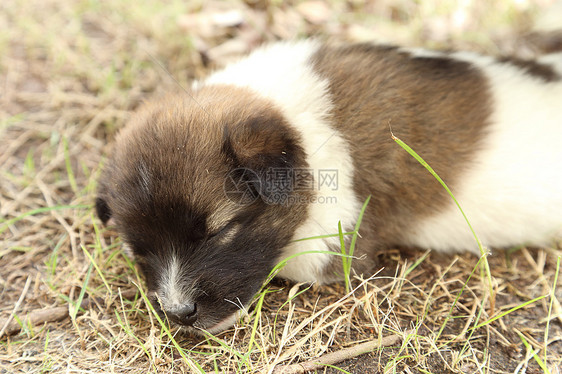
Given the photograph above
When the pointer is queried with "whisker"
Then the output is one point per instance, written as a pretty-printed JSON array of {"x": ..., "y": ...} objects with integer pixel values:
[{"x": 239, "y": 305}]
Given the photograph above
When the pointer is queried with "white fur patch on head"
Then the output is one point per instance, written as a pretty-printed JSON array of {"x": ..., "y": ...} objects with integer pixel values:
[
  {"x": 282, "y": 72},
  {"x": 172, "y": 291},
  {"x": 513, "y": 193}
]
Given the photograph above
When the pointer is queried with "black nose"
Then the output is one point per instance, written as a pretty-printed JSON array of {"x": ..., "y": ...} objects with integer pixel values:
[{"x": 183, "y": 314}]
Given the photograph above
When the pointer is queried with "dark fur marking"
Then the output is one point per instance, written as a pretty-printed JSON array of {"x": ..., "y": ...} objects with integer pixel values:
[
  {"x": 533, "y": 68},
  {"x": 102, "y": 210}
]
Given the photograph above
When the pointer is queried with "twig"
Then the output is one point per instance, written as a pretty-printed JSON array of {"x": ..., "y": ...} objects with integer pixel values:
[
  {"x": 55, "y": 314},
  {"x": 338, "y": 356}
]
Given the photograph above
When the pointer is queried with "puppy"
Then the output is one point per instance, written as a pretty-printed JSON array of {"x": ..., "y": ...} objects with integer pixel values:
[{"x": 212, "y": 188}]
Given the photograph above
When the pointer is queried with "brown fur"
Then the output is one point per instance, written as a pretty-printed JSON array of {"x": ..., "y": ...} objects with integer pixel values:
[
  {"x": 376, "y": 89},
  {"x": 164, "y": 186}
]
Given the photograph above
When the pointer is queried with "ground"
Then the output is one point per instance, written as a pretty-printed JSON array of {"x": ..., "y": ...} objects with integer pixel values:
[{"x": 71, "y": 73}]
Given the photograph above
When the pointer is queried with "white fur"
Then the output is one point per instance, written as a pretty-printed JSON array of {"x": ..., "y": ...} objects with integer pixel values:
[
  {"x": 128, "y": 251},
  {"x": 513, "y": 194},
  {"x": 172, "y": 292},
  {"x": 282, "y": 73},
  {"x": 423, "y": 53}
]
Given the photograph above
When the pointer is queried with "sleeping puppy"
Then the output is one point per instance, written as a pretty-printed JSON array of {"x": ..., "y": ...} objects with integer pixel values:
[{"x": 212, "y": 188}]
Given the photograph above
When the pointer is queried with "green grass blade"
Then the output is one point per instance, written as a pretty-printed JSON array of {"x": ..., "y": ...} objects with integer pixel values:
[
  {"x": 68, "y": 164},
  {"x": 552, "y": 298},
  {"x": 322, "y": 236},
  {"x": 483, "y": 252},
  {"x": 345, "y": 263},
  {"x": 192, "y": 364},
  {"x": 336, "y": 368},
  {"x": 283, "y": 262},
  {"x": 347, "y": 256},
  {"x": 256, "y": 321},
  {"x": 127, "y": 328},
  {"x": 98, "y": 270},
  {"x": 29, "y": 165},
  {"x": 535, "y": 355},
  {"x": 223, "y": 344},
  {"x": 78, "y": 302},
  {"x": 457, "y": 298},
  {"x": 357, "y": 225},
  {"x": 509, "y": 311},
  {"x": 257, "y": 317},
  {"x": 287, "y": 302},
  {"x": 436, "y": 176},
  {"x": 416, "y": 264},
  {"x": 11, "y": 221}
]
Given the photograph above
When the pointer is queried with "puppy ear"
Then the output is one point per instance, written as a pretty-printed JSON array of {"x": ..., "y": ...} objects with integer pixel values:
[
  {"x": 267, "y": 148},
  {"x": 102, "y": 207},
  {"x": 102, "y": 210}
]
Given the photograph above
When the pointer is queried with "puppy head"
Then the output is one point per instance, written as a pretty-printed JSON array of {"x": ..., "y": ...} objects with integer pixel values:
[{"x": 202, "y": 192}]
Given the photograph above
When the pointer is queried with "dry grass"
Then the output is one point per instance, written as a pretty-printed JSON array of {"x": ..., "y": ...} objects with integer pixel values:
[{"x": 71, "y": 72}]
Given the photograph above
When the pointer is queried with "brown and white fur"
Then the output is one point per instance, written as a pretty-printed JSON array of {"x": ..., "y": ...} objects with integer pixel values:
[{"x": 491, "y": 128}]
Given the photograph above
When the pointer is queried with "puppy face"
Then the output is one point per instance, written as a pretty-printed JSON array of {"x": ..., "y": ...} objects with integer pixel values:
[{"x": 192, "y": 189}]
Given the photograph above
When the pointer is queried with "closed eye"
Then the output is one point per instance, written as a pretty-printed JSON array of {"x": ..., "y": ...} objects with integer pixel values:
[
  {"x": 226, "y": 232},
  {"x": 222, "y": 230}
]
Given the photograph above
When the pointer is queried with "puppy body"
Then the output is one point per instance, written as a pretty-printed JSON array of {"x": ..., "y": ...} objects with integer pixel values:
[{"x": 212, "y": 191}]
